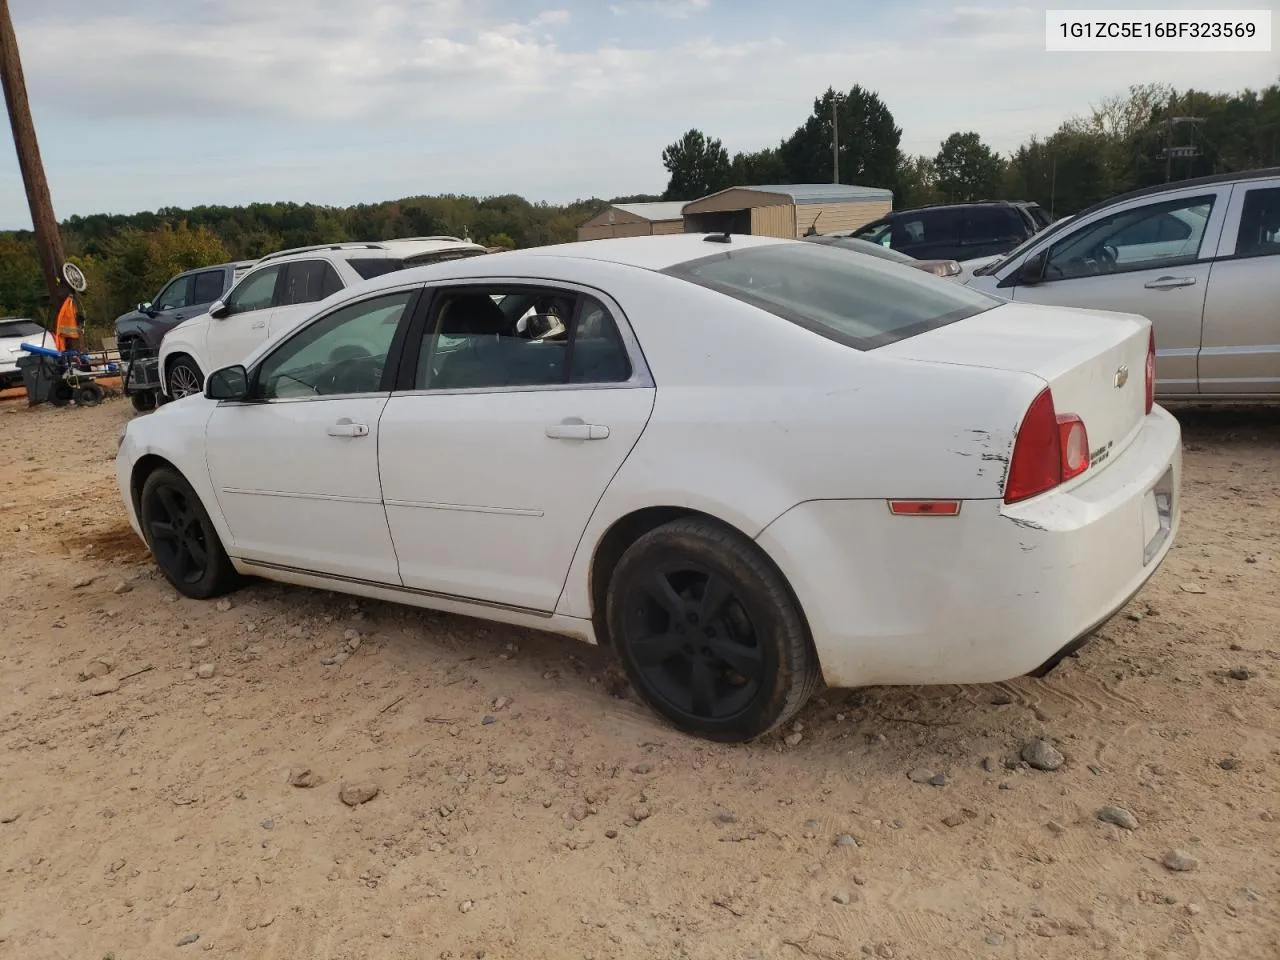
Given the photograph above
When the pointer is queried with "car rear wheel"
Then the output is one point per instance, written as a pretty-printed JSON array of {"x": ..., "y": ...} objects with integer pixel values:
[
  {"x": 185, "y": 378},
  {"x": 709, "y": 633},
  {"x": 143, "y": 402},
  {"x": 182, "y": 537}
]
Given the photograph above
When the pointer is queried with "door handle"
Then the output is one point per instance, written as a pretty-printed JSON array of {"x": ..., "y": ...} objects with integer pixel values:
[
  {"x": 257, "y": 324},
  {"x": 577, "y": 430},
  {"x": 345, "y": 428},
  {"x": 1169, "y": 283}
]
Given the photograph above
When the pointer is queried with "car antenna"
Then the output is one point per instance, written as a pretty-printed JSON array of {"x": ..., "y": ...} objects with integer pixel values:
[{"x": 718, "y": 238}]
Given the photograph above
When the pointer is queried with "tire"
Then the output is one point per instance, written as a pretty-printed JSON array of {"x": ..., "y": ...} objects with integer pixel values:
[
  {"x": 61, "y": 394},
  {"x": 182, "y": 537},
  {"x": 184, "y": 377},
  {"x": 729, "y": 667},
  {"x": 90, "y": 395},
  {"x": 143, "y": 402}
]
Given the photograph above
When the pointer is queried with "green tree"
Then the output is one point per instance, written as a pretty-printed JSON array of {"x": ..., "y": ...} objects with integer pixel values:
[
  {"x": 916, "y": 183},
  {"x": 868, "y": 141},
  {"x": 758, "y": 167},
  {"x": 697, "y": 165},
  {"x": 967, "y": 169}
]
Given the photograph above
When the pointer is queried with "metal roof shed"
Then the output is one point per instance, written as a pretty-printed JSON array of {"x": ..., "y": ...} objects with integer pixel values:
[
  {"x": 788, "y": 209},
  {"x": 634, "y": 220}
]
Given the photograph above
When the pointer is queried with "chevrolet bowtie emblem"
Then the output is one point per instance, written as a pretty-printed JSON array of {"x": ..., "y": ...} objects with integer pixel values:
[{"x": 1122, "y": 377}]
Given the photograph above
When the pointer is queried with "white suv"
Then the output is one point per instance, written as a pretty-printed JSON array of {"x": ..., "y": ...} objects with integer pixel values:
[{"x": 279, "y": 293}]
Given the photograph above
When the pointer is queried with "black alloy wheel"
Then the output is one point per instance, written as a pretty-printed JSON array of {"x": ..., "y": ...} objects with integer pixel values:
[
  {"x": 708, "y": 631},
  {"x": 182, "y": 537}
]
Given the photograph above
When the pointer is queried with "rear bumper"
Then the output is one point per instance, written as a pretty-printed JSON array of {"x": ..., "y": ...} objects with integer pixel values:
[{"x": 995, "y": 592}]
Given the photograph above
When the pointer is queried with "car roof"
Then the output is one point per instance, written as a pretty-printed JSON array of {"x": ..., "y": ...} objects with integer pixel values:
[
  {"x": 649, "y": 253},
  {"x": 1262, "y": 173},
  {"x": 399, "y": 247}
]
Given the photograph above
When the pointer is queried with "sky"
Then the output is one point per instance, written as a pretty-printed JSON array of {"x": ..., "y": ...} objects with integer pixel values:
[{"x": 141, "y": 104}]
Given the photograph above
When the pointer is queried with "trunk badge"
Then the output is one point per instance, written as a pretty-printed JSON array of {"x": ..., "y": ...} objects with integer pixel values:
[{"x": 1122, "y": 377}]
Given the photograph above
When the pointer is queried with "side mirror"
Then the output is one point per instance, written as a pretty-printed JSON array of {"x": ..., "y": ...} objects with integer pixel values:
[
  {"x": 229, "y": 383},
  {"x": 217, "y": 309},
  {"x": 1032, "y": 270},
  {"x": 145, "y": 307}
]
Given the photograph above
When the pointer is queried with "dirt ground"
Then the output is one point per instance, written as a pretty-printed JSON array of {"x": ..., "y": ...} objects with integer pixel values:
[{"x": 529, "y": 808}]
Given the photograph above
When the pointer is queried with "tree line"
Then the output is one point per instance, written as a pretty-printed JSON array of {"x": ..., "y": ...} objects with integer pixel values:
[{"x": 1118, "y": 145}]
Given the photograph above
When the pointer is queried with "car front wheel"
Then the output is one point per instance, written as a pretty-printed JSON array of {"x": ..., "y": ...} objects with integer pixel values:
[
  {"x": 708, "y": 631},
  {"x": 182, "y": 537},
  {"x": 185, "y": 378}
]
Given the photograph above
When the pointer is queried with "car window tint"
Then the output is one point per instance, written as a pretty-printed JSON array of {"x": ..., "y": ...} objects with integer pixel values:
[
  {"x": 254, "y": 292},
  {"x": 309, "y": 281},
  {"x": 932, "y": 226},
  {"x": 1138, "y": 238},
  {"x": 1259, "y": 223},
  {"x": 20, "y": 328},
  {"x": 859, "y": 301},
  {"x": 207, "y": 287},
  {"x": 597, "y": 353},
  {"x": 341, "y": 353},
  {"x": 992, "y": 224},
  {"x": 174, "y": 295},
  {"x": 370, "y": 267},
  {"x": 521, "y": 342}
]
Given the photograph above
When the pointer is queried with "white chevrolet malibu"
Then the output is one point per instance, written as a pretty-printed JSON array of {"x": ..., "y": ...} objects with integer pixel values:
[{"x": 745, "y": 464}]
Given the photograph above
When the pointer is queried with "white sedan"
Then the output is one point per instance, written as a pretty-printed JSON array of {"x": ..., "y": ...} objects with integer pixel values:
[{"x": 745, "y": 464}]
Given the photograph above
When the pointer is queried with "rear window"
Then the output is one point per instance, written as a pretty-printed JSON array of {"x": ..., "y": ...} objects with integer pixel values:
[
  {"x": 370, "y": 267},
  {"x": 857, "y": 301},
  {"x": 20, "y": 328}
]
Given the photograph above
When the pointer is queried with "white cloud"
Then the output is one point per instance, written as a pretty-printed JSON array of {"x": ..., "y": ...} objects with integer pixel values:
[{"x": 675, "y": 9}]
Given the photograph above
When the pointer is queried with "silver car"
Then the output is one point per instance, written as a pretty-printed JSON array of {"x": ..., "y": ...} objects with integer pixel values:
[{"x": 1199, "y": 258}]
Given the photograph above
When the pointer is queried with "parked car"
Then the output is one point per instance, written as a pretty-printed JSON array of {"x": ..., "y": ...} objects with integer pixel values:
[
  {"x": 140, "y": 331},
  {"x": 939, "y": 268},
  {"x": 956, "y": 231},
  {"x": 741, "y": 465},
  {"x": 1199, "y": 258},
  {"x": 278, "y": 293},
  {"x": 14, "y": 332}
]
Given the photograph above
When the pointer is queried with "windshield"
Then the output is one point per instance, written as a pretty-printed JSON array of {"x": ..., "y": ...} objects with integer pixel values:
[
  {"x": 875, "y": 233},
  {"x": 20, "y": 328},
  {"x": 858, "y": 301}
]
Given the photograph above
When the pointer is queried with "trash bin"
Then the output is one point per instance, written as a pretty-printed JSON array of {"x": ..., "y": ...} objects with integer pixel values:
[{"x": 40, "y": 376}]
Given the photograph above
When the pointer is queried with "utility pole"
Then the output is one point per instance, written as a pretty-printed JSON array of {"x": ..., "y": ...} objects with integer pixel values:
[
  {"x": 48, "y": 241},
  {"x": 835, "y": 139}
]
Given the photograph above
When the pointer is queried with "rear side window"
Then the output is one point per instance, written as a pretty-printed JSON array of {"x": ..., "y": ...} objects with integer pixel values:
[
  {"x": 309, "y": 281},
  {"x": 992, "y": 224},
  {"x": 933, "y": 226},
  {"x": 208, "y": 286},
  {"x": 370, "y": 267},
  {"x": 1259, "y": 223},
  {"x": 857, "y": 301}
]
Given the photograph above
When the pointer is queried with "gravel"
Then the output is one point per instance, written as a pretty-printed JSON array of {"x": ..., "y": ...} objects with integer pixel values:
[
  {"x": 1119, "y": 816},
  {"x": 1042, "y": 755}
]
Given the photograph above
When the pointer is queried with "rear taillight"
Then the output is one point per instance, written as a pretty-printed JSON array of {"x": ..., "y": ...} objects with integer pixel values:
[
  {"x": 1151, "y": 370},
  {"x": 1048, "y": 450}
]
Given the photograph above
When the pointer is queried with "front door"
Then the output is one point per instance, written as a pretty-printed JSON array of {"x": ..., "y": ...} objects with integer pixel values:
[
  {"x": 495, "y": 456},
  {"x": 296, "y": 469},
  {"x": 1241, "y": 351},
  {"x": 242, "y": 326},
  {"x": 1150, "y": 258}
]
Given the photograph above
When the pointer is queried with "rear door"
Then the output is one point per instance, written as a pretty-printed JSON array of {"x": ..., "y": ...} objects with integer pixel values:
[
  {"x": 502, "y": 440},
  {"x": 1240, "y": 353},
  {"x": 986, "y": 231},
  {"x": 206, "y": 287},
  {"x": 1150, "y": 257},
  {"x": 928, "y": 234}
]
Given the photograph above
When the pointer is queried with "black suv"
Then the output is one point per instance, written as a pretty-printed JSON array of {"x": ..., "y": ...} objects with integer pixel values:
[
  {"x": 139, "y": 332},
  {"x": 957, "y": 231}
]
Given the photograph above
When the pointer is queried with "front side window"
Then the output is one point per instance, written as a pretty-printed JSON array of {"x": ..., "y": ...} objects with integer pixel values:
[
  {"x": 520, "y": 338},
  {"x": 174, "y": 295},
  {"x": 254, "y": 292},
  {"x": 1140, "y": 238},
  {"x": 309, "y": 281},
  {"x": 343, "y": 352},
  {"x": 207, "y": 286},
  {"x": 1259, "y": 223},
  {"x": 857, "y": 301}
]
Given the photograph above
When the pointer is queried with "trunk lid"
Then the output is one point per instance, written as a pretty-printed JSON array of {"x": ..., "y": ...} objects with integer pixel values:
[{"x": 1093, "y": 361}]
